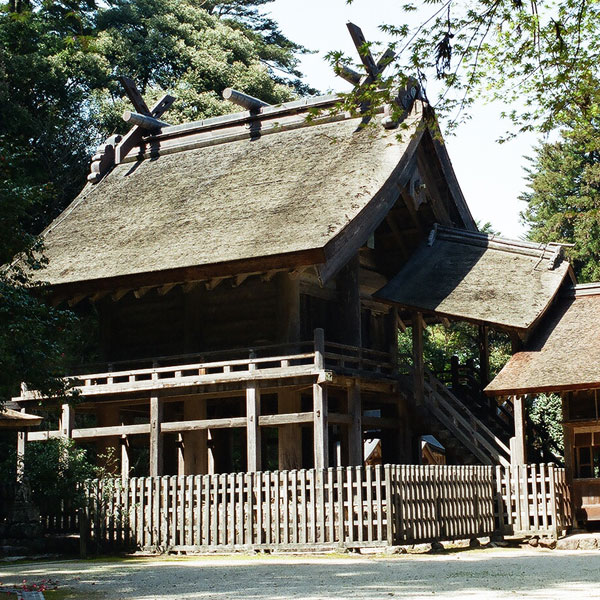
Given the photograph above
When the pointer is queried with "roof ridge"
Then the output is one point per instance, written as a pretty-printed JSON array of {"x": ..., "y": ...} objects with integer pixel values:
[
  {"x": 506, "y": 244},
  {"x": 583, "y": 289}
]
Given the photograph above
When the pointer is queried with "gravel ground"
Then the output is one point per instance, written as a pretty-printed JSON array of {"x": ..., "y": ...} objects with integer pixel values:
[{"x": 487, "y": 573}]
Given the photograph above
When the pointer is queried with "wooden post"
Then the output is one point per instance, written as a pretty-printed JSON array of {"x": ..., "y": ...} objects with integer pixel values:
[
  {"x": 252, "y": 427},
  {"x": 349, "y": 302},
  {"x": 484, "y": 356},
  {"x": 21, "y": 442},
  {"x": 321, "y": 437},
  {"x": 288, "y": 308},
  {"x": 518, "y": 448},
  {"x": 355, "y": 438},
  {"x": 195, "y": 443},
  {"x": 319, "y": 348},
  {"x": 156, "y": 445},
  {"x": 418, "y": 361},
  {"x": 125, "y": 465},
  {"x": 290, "y": 436},
  {"x": 67, "y": 420}
]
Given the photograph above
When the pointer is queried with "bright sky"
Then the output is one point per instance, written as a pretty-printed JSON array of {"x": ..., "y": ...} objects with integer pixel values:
[{"x": 490, "y": 174}]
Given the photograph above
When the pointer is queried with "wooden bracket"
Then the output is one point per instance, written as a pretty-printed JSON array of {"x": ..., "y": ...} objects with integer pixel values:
[
  {"x": 104, "y": 159},
  {"x": 134, "y": 137}
]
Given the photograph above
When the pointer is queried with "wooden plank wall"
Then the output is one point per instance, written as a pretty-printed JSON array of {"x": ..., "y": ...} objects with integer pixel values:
[
  {"x": 348, "y": 506},
  {"x": 532, "y": 500}
]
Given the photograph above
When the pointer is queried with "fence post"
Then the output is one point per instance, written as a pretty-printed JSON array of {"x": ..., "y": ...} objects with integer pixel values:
[
  {"x": 551, "y": 480},
  {"x": 389, "y": 504}
]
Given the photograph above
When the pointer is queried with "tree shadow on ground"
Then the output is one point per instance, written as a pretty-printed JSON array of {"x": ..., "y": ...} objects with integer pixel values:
[{"x": 539, "y": 575}]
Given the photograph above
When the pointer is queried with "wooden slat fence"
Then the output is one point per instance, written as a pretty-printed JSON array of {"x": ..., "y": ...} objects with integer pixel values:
[
  {"x": 351, "y": 506},
  {"x": 532, "y": 500}
]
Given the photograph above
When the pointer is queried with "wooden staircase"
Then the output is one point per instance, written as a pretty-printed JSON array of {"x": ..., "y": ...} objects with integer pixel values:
[{"x": 454, "y": 421}]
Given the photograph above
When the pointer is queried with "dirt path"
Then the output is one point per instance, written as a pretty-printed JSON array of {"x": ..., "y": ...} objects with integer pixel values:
[{"x": 490, "y": 574}]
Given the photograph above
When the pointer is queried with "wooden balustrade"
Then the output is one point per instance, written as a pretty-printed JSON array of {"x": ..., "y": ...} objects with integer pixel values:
[{"x": 264, "y": 362}]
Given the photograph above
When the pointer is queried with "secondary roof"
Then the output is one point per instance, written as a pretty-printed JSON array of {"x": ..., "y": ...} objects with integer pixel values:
[
  {"x": 563, "y": 354},
  {"x": 479, "y": 278}
]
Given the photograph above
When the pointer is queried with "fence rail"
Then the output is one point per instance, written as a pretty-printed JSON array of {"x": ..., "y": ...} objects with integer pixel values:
[
  {"x": 346, "y": 506},
  {"x": 351, "y": 506}
]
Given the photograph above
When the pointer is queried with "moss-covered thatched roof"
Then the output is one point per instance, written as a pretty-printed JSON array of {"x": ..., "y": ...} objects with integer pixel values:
[
  {"x": 479, "y": 278},
  {"x": 211, "y": 195},
  {"x": 563, "y": 354}
]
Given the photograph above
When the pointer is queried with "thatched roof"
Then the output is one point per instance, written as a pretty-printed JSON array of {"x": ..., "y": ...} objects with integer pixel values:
[
  {"x": 13, "y": 419},
  {"x": 563, "y": 354},
  {"x": 479, "y": 278},
  {"x": 224, "y": 191}
]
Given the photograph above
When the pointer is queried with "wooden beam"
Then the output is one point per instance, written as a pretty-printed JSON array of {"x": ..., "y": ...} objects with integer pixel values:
[
  {"x": 141, "y": 292},
  {"x": 156, "y": 441},
  {"x": 418, "y": 360},
  {"x": 253, "y": 437},
  {"x": 134, "y": 95},
  {"x": 345, "y": 72},
  {"x": 165, "y": 289},
  {"x": 355, "y": 437},
  {"x": 203, "y": 424},
  {"x": 144, "y": 121},
  {"x": 244, "y": 100},
  {"x": 363, "y": 49},
  {"x": 288, "y": 308},
  {"x": 91, "y": 433},
  {"x": 320, "y": 428},
  {"x": 294, "y": 418},
  {"x": 518, "y": 447},
  {"x": 120, "y": 294},
  {"x": 239, "y": 279},
  {"x": 214, "y": 282},
  {"x": 75, "y": 300}
]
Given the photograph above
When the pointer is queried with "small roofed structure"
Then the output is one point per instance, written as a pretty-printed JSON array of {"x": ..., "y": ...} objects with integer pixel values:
[
  {"x": 17, "y": 420},
  {"x": 479, "y": 278},
  {"x": 563, "y": 356}
]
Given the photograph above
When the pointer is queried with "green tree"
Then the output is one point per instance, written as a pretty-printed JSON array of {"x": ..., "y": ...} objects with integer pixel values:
[
  {"x": 538, "y": 58},
  {"x": 563, "y": 201},
  {"x": 59, "y": 97}
]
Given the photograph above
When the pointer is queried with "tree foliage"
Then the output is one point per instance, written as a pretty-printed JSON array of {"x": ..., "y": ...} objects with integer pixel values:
[
  {"x": 59, "y": 96},
  {"x": 564, "y": 197},
  {"x": 539, "y": 58}
]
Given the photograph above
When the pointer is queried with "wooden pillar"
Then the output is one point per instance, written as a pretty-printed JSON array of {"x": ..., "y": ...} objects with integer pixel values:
[
  {"x": 288, "y": 308},
  {"x": 21, "y": 442},
  {"x": 391, "y": 321},
  {"x": 418, "y": 360},
  {"x": 349, "y": 326},
  {"x": 290, "y": 436},
  {"x": 67, "y": 420},
  {"x": 484, "y": 356},
  {"x": 515, "y": 342},
  {"x": 252, "y": 428},
  {"x": 355, "y": 438},
  {"x": 194, "y": 444},
  {"x": 518, "y": 448},
  {"x": 321, "y": 437},
  {"x": 125, "y": 463},
  {"x": 156, "y": 441}
]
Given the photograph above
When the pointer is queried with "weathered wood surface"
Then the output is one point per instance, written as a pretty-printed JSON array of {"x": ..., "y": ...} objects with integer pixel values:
[
  {"x": 532, "y": 500},
  {"x": 313, "y": 358},
  {"x": 350, "y": 506}
]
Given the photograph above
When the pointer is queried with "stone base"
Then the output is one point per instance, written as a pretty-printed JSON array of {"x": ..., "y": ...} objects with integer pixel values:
[{"x": 580, "y": 541}]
